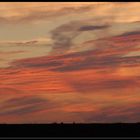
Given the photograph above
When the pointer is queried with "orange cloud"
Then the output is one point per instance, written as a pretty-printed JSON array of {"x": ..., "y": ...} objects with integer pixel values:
[{"x": 95, "y": 80}]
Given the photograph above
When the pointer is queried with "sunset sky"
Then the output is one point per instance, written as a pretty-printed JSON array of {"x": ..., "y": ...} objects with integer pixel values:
[{"x": 69, "y": 62}]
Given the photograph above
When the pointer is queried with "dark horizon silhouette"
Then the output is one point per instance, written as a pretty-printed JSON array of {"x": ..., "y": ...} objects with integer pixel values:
[{"x": 71, "y": 130}]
